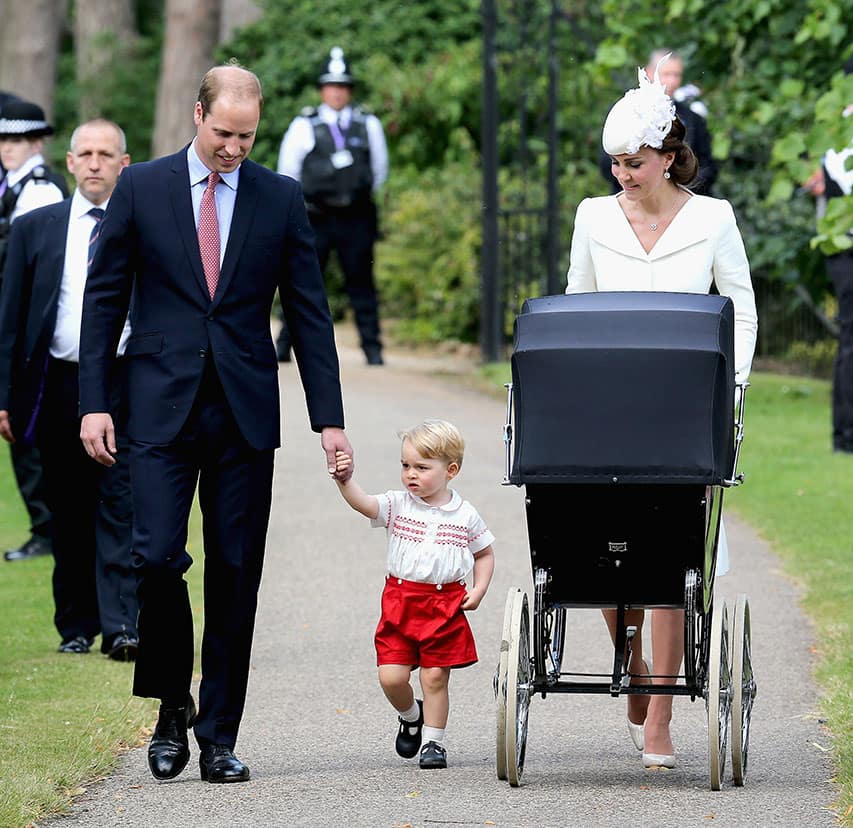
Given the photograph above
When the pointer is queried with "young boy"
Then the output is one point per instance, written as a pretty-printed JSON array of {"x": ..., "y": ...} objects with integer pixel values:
[{"x": 434, "y": 540}]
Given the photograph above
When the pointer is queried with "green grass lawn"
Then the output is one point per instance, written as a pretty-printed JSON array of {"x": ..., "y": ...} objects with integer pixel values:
[
  {"x": 63, "y": 718},
  {"x": 799, "y": 496}
]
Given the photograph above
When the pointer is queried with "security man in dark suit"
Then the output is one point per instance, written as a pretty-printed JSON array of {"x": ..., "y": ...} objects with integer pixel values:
[
  {"x": 27, "y": 184},
  {"x": 201, "y": 240},
  {"x": 338, "y": 152},
  {"x": 94, "y": 585}
]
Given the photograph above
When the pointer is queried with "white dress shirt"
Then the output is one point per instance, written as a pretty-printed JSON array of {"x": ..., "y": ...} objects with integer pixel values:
[
  {"x": 65, "y": 343},
  {"x": 226, "y": 196},
  {"x": 430, "y": 544},
  {"x": 34, "y": 194},
  {"x": 298, "y": 141}
]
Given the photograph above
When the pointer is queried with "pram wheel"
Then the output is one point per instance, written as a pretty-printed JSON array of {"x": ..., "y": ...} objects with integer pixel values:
[
  {"x": 500, "y": 686},
  {"x": 743, "y": 688},
  {"x": 518, "y": 688},
  {"x": 718, "y": 694}
]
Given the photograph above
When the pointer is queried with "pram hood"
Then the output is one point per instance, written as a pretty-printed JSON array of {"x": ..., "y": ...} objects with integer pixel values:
[{"x": 624, "y": 387}]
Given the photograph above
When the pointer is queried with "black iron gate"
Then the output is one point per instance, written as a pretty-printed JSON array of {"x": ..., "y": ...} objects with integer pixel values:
[{"x": 520, "y": 193}]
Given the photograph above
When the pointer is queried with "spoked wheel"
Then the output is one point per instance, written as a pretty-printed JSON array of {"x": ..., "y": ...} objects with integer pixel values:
[
  {"x": 718, "y": 696},
  {"x": 500, "y": 687},
  {"x": 518, "y": 688},
  {"x": 743, "y": 688}
]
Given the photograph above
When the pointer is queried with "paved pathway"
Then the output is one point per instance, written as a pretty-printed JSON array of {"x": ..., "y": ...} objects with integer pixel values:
[{"x": 318, "y": 734}]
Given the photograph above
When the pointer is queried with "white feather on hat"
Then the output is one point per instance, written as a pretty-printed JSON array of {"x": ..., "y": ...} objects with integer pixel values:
[{"x": 642, "y": 117}]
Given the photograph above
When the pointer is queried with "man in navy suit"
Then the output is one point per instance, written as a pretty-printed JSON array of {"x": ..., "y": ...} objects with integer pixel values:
[
  {"x": 94, "y": 585},
  {"x": 195, "y": 244}
]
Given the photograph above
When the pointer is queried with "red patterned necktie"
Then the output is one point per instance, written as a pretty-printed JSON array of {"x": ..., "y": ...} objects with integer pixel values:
[{"x": 208, "y": 234}]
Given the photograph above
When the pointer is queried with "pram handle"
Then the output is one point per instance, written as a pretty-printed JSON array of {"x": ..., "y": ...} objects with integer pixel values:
[
  {"x": 736, "y": 479},
  {"x": 507, "y": 433}
]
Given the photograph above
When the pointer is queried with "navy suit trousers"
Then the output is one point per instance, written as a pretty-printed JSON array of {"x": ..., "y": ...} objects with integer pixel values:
[{"x": 235, "y": 492}]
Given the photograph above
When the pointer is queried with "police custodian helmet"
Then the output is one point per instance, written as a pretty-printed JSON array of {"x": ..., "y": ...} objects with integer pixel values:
[
  {"x": 336, "y": 69},
  {"x": 22, "y": 119}
]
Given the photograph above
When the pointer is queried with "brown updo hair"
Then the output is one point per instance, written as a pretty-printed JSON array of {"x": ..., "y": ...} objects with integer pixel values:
[{"x": 684, "y": 166}]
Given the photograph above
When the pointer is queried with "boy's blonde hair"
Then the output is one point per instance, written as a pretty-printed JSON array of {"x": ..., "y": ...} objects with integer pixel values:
[{"x": 436, "y": 439}]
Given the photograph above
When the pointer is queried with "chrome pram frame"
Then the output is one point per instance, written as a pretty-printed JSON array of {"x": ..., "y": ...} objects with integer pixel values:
[{"x": 717, "y": 664}]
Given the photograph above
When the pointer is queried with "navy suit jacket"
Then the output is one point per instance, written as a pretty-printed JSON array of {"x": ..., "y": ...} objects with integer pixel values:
[
  {"x": 148, "y": 250},
  {"x": 28, "y": 303}
]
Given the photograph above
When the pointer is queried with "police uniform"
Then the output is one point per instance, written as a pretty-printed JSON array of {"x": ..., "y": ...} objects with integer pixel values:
[
  {"x": 839, "y": 183},
  {"x": 30, "y": 186},
  {"x": 341, "y": 159}
]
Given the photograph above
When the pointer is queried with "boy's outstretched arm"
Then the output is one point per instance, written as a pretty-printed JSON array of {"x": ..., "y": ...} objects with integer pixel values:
[
  {"x": 352, "y": 493},
  {"x": 484, "y": 566}
]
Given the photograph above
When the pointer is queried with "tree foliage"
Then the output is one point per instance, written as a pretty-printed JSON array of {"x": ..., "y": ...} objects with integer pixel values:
[
  {"x": 764, "y": 67},
  {"x": 769, "y": 71}
]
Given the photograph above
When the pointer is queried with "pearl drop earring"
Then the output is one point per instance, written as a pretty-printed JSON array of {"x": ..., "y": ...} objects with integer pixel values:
[{"x": 666, "y": 175}]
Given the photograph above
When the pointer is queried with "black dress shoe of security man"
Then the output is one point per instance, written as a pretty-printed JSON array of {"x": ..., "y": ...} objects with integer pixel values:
[
  {"x": 219, "y": 764},
  {"x": 169, "y": 750},
  {"x": 121, "y": 647},
  {"x": 37, "y": 545}
]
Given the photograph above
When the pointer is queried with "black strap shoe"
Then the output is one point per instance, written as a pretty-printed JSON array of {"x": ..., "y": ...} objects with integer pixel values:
[
  {"x": 169, "y": 750},
  {"x": 433, "y": 756},
  {"x": 219, "y": 764},
  {"x": 409, "y": 734}
]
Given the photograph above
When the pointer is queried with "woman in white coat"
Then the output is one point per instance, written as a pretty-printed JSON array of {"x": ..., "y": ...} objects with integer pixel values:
[{"x": 658, "y": 235}]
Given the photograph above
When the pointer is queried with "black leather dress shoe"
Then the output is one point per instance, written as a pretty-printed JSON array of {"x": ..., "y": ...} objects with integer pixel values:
[
  {"x": 79, "y": 644},
  {"x": 121, "y": 647},
  {"x": 169, "y": 750},
  {"x": 373, "y": 354},
  {"x": 37, "y": 545},
  {"x": 219, "y": 764}
]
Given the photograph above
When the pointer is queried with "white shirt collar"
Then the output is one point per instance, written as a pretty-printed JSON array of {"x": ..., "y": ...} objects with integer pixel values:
[
  {"x": 80, "y": 205},
  {"x": 30, "y": 164},
  {"x": 451, "y": 506},
  {"x": 332, "y": 116},
  {"x": 199, "y": 171}
]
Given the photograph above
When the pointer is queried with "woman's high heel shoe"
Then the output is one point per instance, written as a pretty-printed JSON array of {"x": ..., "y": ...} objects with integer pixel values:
[
  {"x": 637, "y": 730},
  {"x": 658, "y": 760},
  {"x": 637, "y": 734}
]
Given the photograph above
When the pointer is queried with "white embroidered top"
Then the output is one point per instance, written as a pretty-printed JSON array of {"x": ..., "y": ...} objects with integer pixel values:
[{"x": 430, "y": 544}]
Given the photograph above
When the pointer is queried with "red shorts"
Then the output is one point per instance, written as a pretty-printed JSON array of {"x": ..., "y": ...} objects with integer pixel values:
[{"x": 424, "y": 625}]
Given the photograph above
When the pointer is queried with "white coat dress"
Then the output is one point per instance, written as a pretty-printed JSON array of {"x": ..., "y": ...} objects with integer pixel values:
[{"x": 702, "y": 246}]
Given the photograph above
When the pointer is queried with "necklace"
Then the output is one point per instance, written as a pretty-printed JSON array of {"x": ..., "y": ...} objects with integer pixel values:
[{"x": 655, "y": 224}]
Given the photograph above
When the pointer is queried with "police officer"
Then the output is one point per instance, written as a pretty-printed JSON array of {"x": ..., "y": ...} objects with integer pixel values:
[
  {"x": 28, "y": 183},
  {"x": 338, "y": 152}
]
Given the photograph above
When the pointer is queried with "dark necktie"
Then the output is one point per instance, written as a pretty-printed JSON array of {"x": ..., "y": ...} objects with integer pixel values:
[
  {"x": 96, "y": 213},
  {"x": 208, "y": 234}
]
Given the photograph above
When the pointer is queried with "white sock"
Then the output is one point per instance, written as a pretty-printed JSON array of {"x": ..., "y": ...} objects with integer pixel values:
[
  {"x": 412, "y": 714},
  {"x": 433, "y": 734}
]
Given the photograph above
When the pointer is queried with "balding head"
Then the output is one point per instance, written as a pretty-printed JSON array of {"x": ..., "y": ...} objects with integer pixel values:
[{"x": 230, "y": 81}]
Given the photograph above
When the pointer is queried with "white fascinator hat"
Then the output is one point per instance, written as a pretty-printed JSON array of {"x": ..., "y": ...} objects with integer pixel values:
[{"x": 641, "y": 118}]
